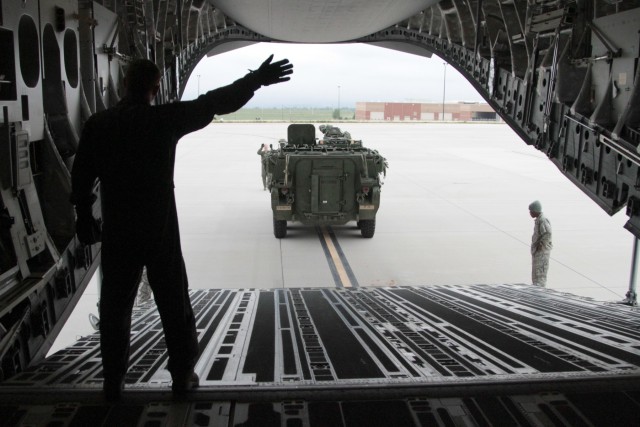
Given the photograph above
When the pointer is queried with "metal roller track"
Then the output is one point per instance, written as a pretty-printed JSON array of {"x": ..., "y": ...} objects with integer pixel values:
[{"x": 430, "y": 355}]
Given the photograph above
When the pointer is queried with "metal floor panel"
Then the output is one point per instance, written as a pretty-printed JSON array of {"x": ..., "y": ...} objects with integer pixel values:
[{"x": 430, "y": 355}]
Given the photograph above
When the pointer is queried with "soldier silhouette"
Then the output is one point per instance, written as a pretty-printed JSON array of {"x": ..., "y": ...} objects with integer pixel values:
[{"x": 130, "y": 149}]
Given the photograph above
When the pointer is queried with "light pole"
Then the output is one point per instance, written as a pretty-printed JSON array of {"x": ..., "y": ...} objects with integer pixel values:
[
  {"x": 444, "y": 87},
  {"x": 198, "y": 84},
  {"x": 339, "y": 102}
]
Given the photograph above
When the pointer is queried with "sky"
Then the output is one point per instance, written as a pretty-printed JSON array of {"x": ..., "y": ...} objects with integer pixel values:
[{"x": 328, "y": 75}]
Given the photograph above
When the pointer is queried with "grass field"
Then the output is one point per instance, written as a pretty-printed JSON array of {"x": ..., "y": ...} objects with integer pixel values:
[{"x": 289, "y": 114}]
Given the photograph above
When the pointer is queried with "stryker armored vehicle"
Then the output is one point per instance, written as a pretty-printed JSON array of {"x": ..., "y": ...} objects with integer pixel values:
[{"x": 327, "y": 181}]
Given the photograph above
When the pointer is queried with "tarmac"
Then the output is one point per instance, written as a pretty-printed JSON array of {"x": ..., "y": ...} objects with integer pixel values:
[{"x": 453, "y": 212}]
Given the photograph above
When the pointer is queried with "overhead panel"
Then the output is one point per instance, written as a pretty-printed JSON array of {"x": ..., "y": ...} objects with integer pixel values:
[{"x": 328, "y": 21}]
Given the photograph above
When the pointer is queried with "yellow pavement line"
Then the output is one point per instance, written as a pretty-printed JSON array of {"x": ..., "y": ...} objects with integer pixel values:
[{"x": 344, "y": 278}]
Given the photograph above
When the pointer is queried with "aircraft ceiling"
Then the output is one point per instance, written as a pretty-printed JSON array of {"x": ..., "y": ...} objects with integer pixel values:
[{"x": 312, "y": 21}]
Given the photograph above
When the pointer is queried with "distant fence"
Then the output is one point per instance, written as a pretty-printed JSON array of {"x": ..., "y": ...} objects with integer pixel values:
[{"x": 289, "y": 114}]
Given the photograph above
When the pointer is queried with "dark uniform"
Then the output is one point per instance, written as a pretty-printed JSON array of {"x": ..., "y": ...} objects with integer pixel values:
[{"x": 131, "y": 149}]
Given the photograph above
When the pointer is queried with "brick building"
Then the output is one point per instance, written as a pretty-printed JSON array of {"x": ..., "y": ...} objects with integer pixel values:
[{"x": 405, "y": 111}]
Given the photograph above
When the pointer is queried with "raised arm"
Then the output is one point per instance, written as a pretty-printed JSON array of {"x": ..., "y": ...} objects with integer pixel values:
[{"x": 227, "y": 99}]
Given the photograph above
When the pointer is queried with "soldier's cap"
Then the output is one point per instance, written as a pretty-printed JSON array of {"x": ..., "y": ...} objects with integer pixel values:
[{"x": 535, "y": 206}]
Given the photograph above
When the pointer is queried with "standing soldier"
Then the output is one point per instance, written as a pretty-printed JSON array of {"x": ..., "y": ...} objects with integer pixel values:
[
  {"x": 131, "y": 150},
  {"x": 541, "y": 245},
  {"x": 262, "y": 151}
]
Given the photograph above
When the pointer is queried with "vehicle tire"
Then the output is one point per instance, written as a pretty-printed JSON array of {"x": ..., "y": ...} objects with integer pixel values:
[
  {"x": 359, "y": 224},
  {"x": 367, "y": 227},
  {"x": 279, "y": 228}
]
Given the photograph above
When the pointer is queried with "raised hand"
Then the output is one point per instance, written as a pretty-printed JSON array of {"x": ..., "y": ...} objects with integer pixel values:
[{"x": 270, "y": 73}]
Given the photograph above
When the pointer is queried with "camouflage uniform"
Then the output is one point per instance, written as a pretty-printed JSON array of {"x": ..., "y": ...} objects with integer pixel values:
[
  {"x": 262, "y": 151},
  {"x": 541, "y": 246}
]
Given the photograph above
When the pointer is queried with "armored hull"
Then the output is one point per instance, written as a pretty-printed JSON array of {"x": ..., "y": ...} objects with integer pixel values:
[{"x": 331, "y": 181}]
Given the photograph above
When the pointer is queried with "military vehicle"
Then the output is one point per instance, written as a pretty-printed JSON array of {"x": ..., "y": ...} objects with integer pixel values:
[{"x": 327, "y": 181}]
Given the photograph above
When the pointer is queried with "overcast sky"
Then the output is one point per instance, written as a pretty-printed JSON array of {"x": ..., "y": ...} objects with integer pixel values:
[{"x": 363, "y": 73}]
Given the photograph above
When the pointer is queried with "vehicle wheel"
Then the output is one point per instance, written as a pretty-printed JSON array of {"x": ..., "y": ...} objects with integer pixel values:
[
  {"x": 279, "y": 228},
  {"x": 367, "y": 227},
  {"x": 359, "y": 225}
]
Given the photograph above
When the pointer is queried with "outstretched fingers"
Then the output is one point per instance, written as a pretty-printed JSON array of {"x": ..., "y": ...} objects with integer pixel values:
[
  {"x": 282, "y": 62},
  {"x": 283, "y": 65},
  {"x": 276, "y": 72},
  {"x": 282, "y": 69}
]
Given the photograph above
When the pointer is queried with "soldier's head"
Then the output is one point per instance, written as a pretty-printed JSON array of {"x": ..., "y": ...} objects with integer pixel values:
[
  {"x": 535, "y": 209},
  {"x": 142, "y": 80}
]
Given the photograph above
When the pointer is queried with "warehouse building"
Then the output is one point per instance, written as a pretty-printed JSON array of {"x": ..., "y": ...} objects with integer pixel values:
[{"x": 404, "y": 111}]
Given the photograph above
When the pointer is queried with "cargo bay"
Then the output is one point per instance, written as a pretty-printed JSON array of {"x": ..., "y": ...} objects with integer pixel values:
[{"x": 563, "y": 75}]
